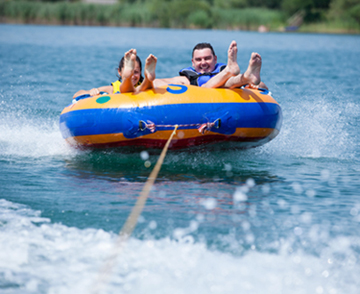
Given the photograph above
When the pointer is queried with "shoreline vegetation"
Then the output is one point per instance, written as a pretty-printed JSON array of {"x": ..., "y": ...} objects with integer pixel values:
[{"x": 334, "y": 16}]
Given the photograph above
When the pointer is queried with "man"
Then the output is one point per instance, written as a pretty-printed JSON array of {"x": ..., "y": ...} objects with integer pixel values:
[{"x": 206, "y": 72}]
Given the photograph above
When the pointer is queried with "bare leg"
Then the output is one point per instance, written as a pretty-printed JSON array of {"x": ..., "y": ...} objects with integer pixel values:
[
  {"x": 127, "y": 72},
  {"x": 250, "y": 76},
  {"x": 149, "y": 72},
  {"x": 232, "y": 69}
]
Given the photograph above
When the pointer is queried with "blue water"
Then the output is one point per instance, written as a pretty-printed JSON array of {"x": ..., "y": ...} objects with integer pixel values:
[{"x": 281, "y": 218}]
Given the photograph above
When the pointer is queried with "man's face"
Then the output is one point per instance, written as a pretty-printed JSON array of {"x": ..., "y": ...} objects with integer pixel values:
[{"x": 203, "y": 60}]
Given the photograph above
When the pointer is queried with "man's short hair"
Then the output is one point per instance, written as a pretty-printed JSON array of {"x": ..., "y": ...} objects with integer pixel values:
[{"x": 203, "y": 46}]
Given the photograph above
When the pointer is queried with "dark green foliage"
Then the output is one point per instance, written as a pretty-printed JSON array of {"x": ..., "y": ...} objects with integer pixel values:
[
  {"x": 182, "y": 13},
  {"x": 355, "y": 13},
  {"x": 225, "y": 14},
  {"x": 200, "y": 19},
  {"x": 345, "y": 10},
  {"x": 292, "y": 6},
  {"x": 228, "y": 4},
  {"x": 248, "y": 19}
]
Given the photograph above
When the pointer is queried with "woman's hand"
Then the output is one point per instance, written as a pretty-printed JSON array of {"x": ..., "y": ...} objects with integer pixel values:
[{"x": 94, "y": 92}]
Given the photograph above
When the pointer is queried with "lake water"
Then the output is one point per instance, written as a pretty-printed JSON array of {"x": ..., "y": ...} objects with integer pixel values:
[{"x": 281, "y": 218}]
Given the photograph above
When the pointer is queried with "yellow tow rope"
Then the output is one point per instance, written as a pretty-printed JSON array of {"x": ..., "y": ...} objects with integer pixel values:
[{"x": 131, "y": 221}]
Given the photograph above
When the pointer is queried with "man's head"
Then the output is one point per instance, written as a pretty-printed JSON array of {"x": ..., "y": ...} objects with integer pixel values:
[{"x": 203, "y": 58}]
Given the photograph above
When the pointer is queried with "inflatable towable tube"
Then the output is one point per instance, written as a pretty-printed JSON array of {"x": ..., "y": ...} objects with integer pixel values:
[{"x": 241, "y": 118}]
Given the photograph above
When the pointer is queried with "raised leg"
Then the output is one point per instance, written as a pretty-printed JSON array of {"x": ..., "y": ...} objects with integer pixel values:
[
  {"x": 149, "y": 73},
  {"x": 250, "y": 76},
  {"x": 232, "y": 69},
  {"x": 127, "y": 71}
]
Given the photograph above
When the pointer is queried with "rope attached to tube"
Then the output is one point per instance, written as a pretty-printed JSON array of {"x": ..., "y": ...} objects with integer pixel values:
[
  {"x": 131, "y": 222},
  {"x": 202, "y": 127}
]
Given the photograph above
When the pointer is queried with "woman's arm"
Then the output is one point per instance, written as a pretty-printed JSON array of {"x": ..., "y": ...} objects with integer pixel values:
[{"x": 94, "y": 91}]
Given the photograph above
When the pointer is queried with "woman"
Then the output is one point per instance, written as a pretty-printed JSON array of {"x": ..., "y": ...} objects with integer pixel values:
[{"x": 130, "y": 76}]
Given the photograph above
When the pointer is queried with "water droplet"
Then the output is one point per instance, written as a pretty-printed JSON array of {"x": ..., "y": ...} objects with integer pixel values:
[
  {"x": 250, "y": 183},
  {"x": 325, "y": 175},
  {"x": 306, "y": 217},
  {"x": 295, "y": 209},
  {"x": 239, "y": 196},
  {"x": 297, "y": 188},
  {"x": 298, "y": 231},
  {"x": 245, "y": 225},
  {"x": 152, "y": 225},
  {"x": 310, "y": 193},
  {"x": 282, "y": 203},
  {"x": 250, "y": 239},
  {"x": 209, "y": 203},
  {"x": 354, "y": 211},
  {"x": 228, "y": 167},
  {"x": 200, "y": 217},
  {"x": 144, "y": 155},
  {"x": 180, "y": 134}
]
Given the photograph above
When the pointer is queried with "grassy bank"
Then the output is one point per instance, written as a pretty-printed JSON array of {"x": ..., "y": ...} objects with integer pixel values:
[
  {"x": 157, "y": 13},
  {"x": 73, "y": 13},
  {"x": 334, "y": 27},
  {"x": 153, "y": 14}
]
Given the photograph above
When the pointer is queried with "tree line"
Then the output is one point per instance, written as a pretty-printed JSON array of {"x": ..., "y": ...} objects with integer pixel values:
[{"x": 216, "y": 14}]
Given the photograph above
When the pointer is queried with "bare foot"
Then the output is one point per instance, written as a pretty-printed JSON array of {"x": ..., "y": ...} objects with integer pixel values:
[
  {"x": 129, "y": 64},
  {"x": 252, "y": 74},
  {"x": 232, "y": 65},
  {"x": 150, "y": 65}
]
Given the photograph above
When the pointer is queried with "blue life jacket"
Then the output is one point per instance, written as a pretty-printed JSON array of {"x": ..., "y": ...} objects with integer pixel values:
[{"x": 198, "y": 79}]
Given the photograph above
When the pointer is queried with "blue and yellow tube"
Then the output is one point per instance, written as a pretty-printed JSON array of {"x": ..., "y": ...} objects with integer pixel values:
[{"x": 242, "y": 118}]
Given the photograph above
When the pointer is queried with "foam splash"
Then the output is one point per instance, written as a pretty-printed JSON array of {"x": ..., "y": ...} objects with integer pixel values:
[
  {"x": 31, "y": 137},
  {"x": 315, "y": 130},
  {"x": 37, "y": 256}
]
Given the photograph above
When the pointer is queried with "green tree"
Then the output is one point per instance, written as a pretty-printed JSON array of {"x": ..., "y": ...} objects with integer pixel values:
[
  {"x": 355, "y": 13},
  {"x": 313, "y": 10},
  {"x": 344, "y": 9},
  {"x": 228, "y": 4},
  {"x": 179, "y": 13}
]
